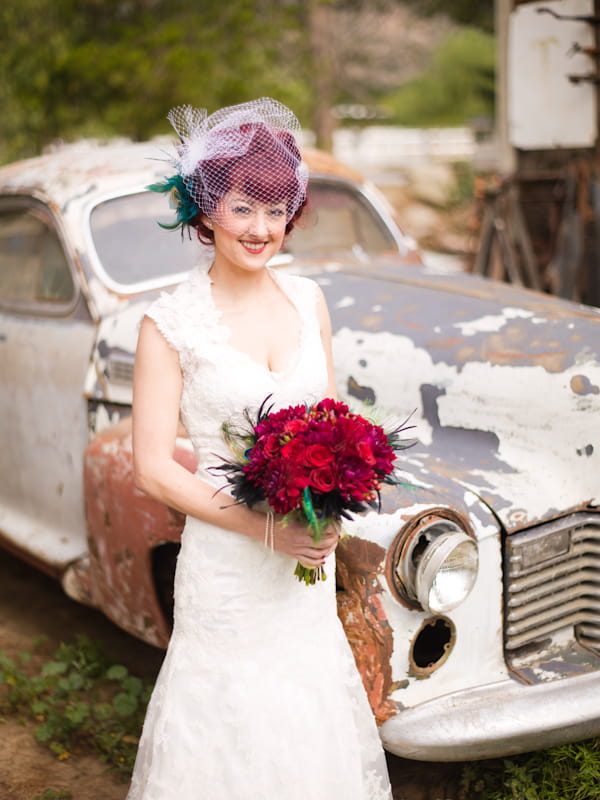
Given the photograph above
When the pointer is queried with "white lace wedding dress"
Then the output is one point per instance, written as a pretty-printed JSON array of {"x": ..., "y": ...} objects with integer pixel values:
[{"x": 258, "y": 697}]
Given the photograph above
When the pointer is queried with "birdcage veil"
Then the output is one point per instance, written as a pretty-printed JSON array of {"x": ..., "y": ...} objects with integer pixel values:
[{"x": 251, "y": 149}]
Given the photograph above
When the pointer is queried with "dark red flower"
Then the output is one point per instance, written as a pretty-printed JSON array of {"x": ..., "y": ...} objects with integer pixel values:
[
  {"x": 318, "y": 455},
  {"x": 322, "y": 456},
  {"x": 323, "y": 479},
  {"x": 340, "y": 457},
  {"x": 293, "y": 452},
  {"x": 270, "y": 445},
  {"x": 295, "y": 426},
  {"x": 364, "y": 450}
]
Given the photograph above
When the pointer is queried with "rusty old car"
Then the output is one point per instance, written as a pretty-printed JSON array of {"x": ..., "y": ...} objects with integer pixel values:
[{"x": 472, "y": 600}]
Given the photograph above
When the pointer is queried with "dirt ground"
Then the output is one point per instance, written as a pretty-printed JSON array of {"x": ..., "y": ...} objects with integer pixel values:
[{"x": 32, "y": 605}]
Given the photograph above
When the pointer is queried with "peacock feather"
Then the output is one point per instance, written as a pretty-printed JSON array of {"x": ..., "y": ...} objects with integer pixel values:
[{"x": 179, "y": 199}]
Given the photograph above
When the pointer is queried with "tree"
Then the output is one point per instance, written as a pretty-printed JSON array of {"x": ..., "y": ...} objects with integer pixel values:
[
  {"x": 473, "y": 13},
  {"x": 457, "y": 86},
  {"x": 103, "y": 67},
  {"x": 72, "y": 68}
]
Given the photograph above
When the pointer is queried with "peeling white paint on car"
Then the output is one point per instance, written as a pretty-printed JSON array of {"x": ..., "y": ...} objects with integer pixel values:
[
  {"x": 536, "y": 464},
  {"x": 345, "y": 302},
  {"x": 540, "y": 464},
  {"x": 493, "y": 323},
  {"x": 367, "y": 356}
]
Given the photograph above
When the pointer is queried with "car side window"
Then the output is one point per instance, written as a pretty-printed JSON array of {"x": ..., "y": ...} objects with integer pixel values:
[{"x": 33, "y": 265}]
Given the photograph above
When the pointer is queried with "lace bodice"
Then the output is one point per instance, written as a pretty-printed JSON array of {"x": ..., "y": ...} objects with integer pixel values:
[{"x": 219, "y": 381}]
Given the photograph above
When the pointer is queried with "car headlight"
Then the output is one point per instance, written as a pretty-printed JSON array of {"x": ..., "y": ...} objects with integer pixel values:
[{"x": 434, "y": 563}]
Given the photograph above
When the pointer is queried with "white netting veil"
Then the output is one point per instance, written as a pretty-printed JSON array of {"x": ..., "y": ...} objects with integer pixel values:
[{"x": 249, "y": 151}]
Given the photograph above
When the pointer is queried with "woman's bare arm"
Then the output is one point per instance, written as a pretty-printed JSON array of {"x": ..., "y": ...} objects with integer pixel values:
[{"x": 156, "y": 397}]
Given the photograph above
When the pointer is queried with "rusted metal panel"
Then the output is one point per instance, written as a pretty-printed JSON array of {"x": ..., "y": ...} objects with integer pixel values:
[
  {"x": 366, "y": 625},
  {"x": 477, "y": 621},
  {"x": 124, "y": 526}
]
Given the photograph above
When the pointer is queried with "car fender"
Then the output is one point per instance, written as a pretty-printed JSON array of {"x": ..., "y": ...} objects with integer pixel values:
[{"x": 125, "y": 527}]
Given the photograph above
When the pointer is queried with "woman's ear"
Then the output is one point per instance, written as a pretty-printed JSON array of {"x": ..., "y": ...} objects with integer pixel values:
[{"x": 207, "y": 222}]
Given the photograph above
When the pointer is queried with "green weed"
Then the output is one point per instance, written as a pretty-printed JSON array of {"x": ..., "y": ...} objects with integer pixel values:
[
  {"x": 567, "y": 772},
  {"x": 80, "y": 700}
]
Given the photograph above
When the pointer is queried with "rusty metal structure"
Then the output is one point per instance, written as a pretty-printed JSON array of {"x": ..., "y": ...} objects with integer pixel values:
[
  {"x": 472, "y": 600},
  {"x": 540, "y": 219}
]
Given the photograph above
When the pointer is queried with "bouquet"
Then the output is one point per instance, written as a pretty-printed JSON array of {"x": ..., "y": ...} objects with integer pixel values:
[{"x": 318, "y": 462}]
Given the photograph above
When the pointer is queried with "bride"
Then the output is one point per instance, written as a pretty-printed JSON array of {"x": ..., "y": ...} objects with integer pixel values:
[{"x": 258, "y": 696}]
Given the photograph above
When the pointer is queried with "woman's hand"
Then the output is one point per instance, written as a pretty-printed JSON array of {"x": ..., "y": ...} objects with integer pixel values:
[{"x": 294, "y": 538}]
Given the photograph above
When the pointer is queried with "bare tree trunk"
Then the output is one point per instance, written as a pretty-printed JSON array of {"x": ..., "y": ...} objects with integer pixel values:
[{"x": 320, "y": 23}]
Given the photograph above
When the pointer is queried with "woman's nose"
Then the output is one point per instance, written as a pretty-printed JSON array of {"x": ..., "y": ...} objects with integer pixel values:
[{"x": 259, "y": 224}]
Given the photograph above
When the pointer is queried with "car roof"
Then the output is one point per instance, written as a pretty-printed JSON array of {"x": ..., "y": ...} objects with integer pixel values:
[{"x": 89, "y": 167}]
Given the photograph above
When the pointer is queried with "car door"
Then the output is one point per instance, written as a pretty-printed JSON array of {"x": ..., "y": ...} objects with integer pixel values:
[{"x": 46, "y": 337}]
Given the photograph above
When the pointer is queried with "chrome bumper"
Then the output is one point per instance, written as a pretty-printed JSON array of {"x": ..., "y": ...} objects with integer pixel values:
[{"x": 497, "y": 720}]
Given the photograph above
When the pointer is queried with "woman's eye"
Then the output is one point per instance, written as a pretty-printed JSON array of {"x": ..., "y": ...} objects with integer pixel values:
[
  {"x": 276, "y": 212},
  {"x": 241, "y": 210}
]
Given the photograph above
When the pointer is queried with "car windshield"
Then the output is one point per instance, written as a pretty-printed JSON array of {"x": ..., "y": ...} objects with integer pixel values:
[{"x": 134, "y": 249}]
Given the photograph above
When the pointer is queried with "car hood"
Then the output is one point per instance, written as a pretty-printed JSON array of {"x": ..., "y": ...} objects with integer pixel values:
[{"x": 504, "y": 383}]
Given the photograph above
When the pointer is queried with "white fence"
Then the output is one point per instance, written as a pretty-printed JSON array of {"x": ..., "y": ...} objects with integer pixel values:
[{"x": 377, "y": 148}]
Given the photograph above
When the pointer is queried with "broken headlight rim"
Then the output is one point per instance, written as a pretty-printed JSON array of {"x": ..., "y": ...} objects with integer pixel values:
[{"x": 433, "y": 562}]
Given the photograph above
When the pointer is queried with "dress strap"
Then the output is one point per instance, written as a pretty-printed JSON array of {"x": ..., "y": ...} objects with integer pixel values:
[{"x": 302, "y": 292}]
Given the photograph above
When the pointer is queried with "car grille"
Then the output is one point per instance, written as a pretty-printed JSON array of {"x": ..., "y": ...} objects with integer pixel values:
[
  {"x": 119, "y": 368},
  {"x": 553, "y": 582}
]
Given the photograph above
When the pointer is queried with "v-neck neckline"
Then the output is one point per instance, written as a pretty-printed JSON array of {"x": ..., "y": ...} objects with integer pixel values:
[{"x": 227, "y": 332}]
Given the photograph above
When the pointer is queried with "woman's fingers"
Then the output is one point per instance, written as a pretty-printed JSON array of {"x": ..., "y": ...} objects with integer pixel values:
[
  {"x": 295, "y": 539},
  {"x": 316, "y": 553},
  {"x": 307, "y": 561}
]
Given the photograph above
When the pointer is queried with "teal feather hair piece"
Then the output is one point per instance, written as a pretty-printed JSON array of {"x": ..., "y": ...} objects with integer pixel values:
[{"x": 180, "y": 201}]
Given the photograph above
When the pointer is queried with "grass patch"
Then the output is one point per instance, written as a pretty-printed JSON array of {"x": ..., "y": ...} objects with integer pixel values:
[
  {"x": 567, "y": 772},
  {"x": 80, "y": 701}
]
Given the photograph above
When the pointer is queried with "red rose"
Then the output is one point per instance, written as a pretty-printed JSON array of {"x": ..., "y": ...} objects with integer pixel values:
[
  {"x": 317, "y": 455},
  {"x": 270, "y": 445},
  {"x": 323, "y": 479},
  {"x": 295, "y": 426},
  {"x": 365, "y": 452},
  {"x": 293, "y": 452}
]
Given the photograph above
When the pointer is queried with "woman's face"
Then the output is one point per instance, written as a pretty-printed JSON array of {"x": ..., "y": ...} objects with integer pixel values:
[{"x": 248, "y": 233}]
